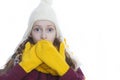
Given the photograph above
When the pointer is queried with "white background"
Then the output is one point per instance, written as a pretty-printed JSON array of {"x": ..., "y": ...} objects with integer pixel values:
[{"x": 91, "y": 27}]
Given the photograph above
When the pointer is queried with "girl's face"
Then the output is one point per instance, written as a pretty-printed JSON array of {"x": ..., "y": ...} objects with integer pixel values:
[{"x": 43, "y": 30}]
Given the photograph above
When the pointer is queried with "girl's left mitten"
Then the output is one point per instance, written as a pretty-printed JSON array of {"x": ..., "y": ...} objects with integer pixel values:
[{"x": 29, "y": 59}]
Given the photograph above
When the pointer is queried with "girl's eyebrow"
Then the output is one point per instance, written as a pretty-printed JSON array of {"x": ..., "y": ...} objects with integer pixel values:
[
  {"x": 53, "y": 26},
  {"x": 50, "y": 25},
  {"x": 37, "y": 25}
]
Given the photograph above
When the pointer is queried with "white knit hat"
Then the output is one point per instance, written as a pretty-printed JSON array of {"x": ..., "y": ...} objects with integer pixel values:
[{"x": 43, "y": 12}]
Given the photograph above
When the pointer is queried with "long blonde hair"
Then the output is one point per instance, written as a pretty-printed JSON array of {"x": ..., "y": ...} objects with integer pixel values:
[{"x": 18, "y": 53}]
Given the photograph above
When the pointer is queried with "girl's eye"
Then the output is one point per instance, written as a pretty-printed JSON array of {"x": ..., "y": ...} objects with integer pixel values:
[
  {"x": 37, "y": 29},
  {"x": 50, "y": 29}
]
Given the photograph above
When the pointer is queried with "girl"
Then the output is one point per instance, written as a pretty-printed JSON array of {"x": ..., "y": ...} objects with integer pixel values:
[{"x": 42, "y": 53}]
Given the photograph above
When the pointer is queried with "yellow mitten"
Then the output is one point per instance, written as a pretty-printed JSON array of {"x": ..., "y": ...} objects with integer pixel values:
[
  {"x": 46, "y": 69},
  {"x": 50, "y": 56},
  {"x": 29, "y": 59}
]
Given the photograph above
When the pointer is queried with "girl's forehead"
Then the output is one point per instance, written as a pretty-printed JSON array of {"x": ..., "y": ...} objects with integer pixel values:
[{"x": 41, "y": 23}]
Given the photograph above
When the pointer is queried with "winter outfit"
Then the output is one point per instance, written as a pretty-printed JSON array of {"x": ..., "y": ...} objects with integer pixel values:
[
  {"x": 43, "y": 61},
  {"x": 43, "y": 52}
]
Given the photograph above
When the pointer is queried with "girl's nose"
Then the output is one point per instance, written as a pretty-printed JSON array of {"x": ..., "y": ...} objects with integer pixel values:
[{"x": 43, "y": 36}]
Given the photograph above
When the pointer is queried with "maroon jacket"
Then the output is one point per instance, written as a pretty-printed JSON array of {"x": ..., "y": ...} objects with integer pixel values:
[{"x": 17, "y": 73}]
